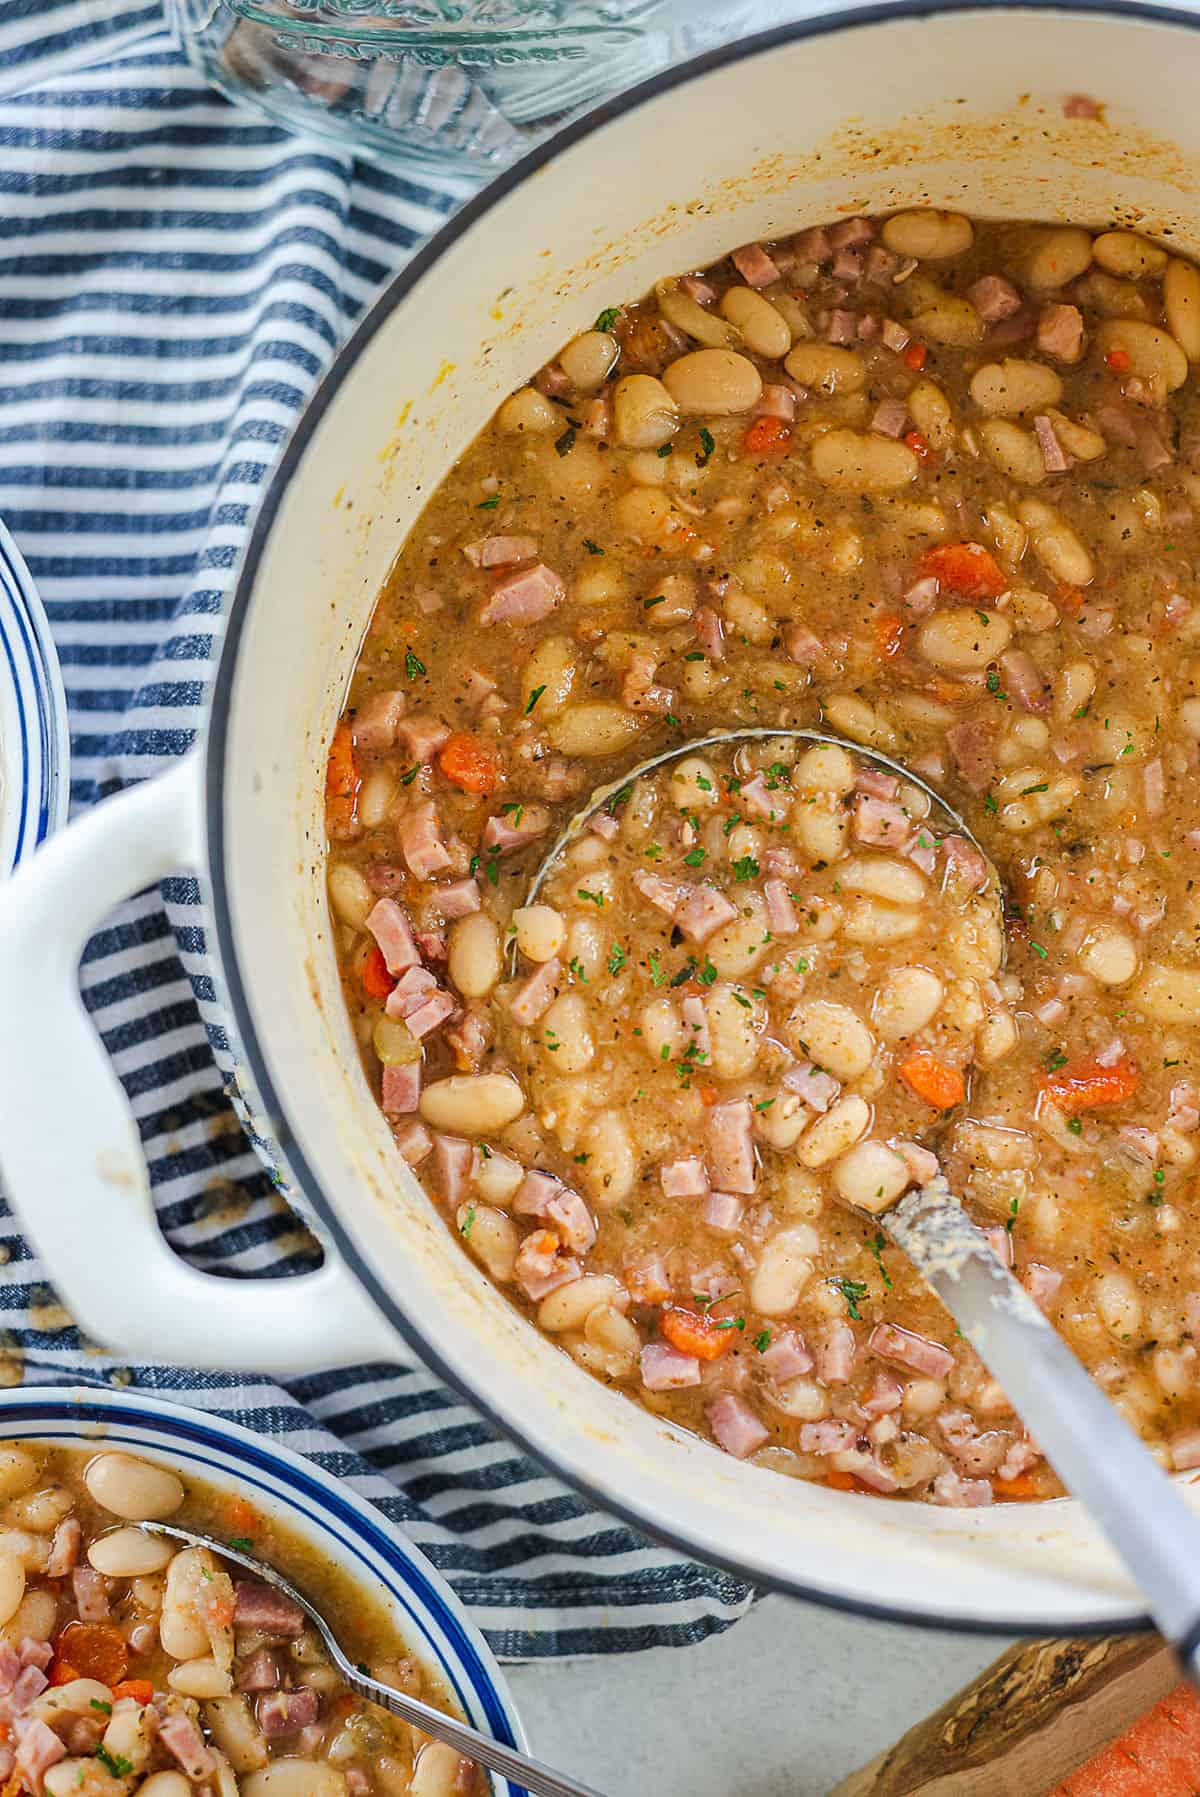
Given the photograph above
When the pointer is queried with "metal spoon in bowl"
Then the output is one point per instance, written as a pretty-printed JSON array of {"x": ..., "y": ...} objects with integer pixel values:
[
  {"x": 539, "y": 1780},
  {"x": 1086, "y": 1439}
]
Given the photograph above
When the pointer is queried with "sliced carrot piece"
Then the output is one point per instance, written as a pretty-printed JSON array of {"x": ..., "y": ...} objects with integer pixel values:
[
  {"x": 1158, "y": 1757},
  {"x": 966, "y": 568},
  {"x": 1086, "y": 1084},
  {"x": 889, "y": 635},
  {"x": 141, "y": 1690},
  {"x": 914, "y": 356},
  {"x": 96, "y": 1650},
  {"x": 768, "y": 437},
  {"x": 1070, "y": 600},
  {"x": 62, "y": 1672},
  {"x": 918, "y": 444},
  {"x": 694, "y": 1334},
  {"x": 1118, "y": 360},
  {"x": 934, "y": 1081},
  {"x": 342, "y": 781},
  {"x": 377, "y": 982},
  {"x": 840, "y": 1481},
  {"x": 646, "y": 1286},
  {"x": 1023, "y": 1485},
  {"x": 708, "y": 1095},
  {"x": 243, "y": 1517},
  {"x": 469, "y": 764}
]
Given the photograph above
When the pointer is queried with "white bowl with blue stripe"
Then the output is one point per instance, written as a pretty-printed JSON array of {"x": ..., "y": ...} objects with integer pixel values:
[
  {"x": 298, "y": 1494},
  {"x": 34, "y": 743}
]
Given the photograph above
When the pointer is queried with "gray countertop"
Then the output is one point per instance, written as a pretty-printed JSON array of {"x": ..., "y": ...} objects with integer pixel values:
[{"x": 784, "y": 1704}]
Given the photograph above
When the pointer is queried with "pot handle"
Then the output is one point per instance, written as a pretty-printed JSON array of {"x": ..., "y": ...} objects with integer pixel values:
[{"x": 69, "y": 1145}]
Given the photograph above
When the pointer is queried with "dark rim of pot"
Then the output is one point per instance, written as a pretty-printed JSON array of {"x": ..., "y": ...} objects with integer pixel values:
[{"x": 377, "y": 316}]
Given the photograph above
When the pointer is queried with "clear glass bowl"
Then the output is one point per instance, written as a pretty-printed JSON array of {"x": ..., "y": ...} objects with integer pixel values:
[{"x": 457, "y": 86}]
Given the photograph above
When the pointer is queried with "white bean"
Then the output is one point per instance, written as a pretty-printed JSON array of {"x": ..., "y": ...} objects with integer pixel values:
[
  {"x": 1118, "y": 1304},
  {"x": 862, "y": 462},
  {"x": 1060, "y": 549},
  {"x": 571, "y": 1305},
  {"x": 472, "y": 1104},
  {"x": 18, "y": 1470},
  {"x": 34, "y": 1619},
  {"x": 167, "y": 1784},
  {"x": 823, "y": 829},
  {"x": 838, "y": 1130},
  {"x": 496, "y": 1176},
  {"x": 1127, "y": 255},
  {"x": 871, "y": 1176},
  {"x": 784, "y": 1269},
  {"x": 764, "y": 329},
  {"x": 644, "y": 414},
  {"x": 1057, "y": 255},
  {"x": 200, "y": 1678},
  {"x": 234, "y": 1730},
  {"x": 694, "y": 784},
  {"x": 12, "y": 1584},
  {"x": 130, "y": 1554},
  {"x": 596, "y": 727},
  {"x": 734, "y": 1022},
  {"x": 1169, "y": 994},
  {"x": 492, "y": 1238},
  {"x": 41, "y": 1511},
  {"x": 611, "y": 1169},
  {"x": 1154, "y": 355},
  {"x": 550, "y": 673},
  {"x": 713, "y": 383},
  {"x": 908, "y": 999},
  {"x": 824, "y": 768},
  {"x": 180, "y": 1629},
  {"x": 297, "y": 1778},
  {"x": 436, "y": 1771},
  {"x": 527, "y": 413},
  {"x": 962, "y": 639},
  {"x": 827, "y": 368},
  {"x": 588, "y": 359},
  {"x": 1014, "y": 451},
  {"x": 566, "y": 1034},
  {"x": 475, "y": 961},
  {"x": 1110, "y": 955},
  {"x": 1009, "y": 388},
  {"x": 1181, "y": 298},
  {"x": 871, "y": 920},
  {"x": 928, "y": 236},
  {"x": 134, "y": 1489},
  {"x": 883, "y": 877},
  {"x": 82, "y": 1778},
  {"x": 541, "y": 931}
]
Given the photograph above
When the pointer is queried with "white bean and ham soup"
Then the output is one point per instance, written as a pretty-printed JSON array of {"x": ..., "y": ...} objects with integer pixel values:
[
  {"x": 928, "y": 485},
  {"x": 131, "y": 1664}
]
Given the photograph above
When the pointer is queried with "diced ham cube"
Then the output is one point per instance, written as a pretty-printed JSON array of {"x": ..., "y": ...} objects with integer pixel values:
[
  {"x": 500, "y": 552},
  {"x": 972, "y": 745},
  {"x": 91, "y": 1594},
  {"x": 850, "y": 232},
  {"x": 835, "y": 1354},
  {"x": 461, "y": 899},
  {"x": 951, "y": 1489},
  {"x": 1000, "y": 1243},
  {"x": 1154, "y": 786},
  {"x": 451, "y": 1166},
  {"x": 817, "y": 1088},
  {"x": 514, "y": 829},
  {"x": 1041, "y": 1283},
  {"x": 181, "y": 1738},
  {"x": 921, "y": 596},
  {"x": 572, "y": 1219},
  {"x": 423, "y": 736},
  {"x": 828, "y": 1436},
  {"x": 731, "y": 1146},
  {"x": 260, "y": 1672},
  {"x": 31, "y": 1682},
  {"x": 994, "y": 298},
  {"x": 376, "y": 721},
  {"x": 390, "y": 927},
  {"x": 535, "y": 1192},
  {"x": 894, "y": 336},
  {"x": 881, "y": 822},
  {"x": 286, "y": 1712},
  {"x": 684, "y": 1179},
  {"x": 480, "y": 686},
  {"x": 755, "y": 266},
  {"x": 401, "y": 1089},
  {"x": 702, "y": 911},
  {"x": 813, "y": 245},
  {"x": 431, "y": 1014},
  {"x": 1025, "y": 680},
  {"x": 885, "y": 1395},
  {"x": 432, "y": 944},
  {"x": 664, "y": 1368},
  {"x": 849, "y": 266},
  {"x": 1060, "y": 332},
  {"x": 908, "y": 1349},
  {"x": 533, "y": 999},
  {"x": 411, "y": 990},
  {"x": 842, "y": 326},
  {"x": 776, "y": 402},
  {"x": 421, "y": 843},
  {"x": 38, "y": 1749},
  {"x": 64, "y": 1549},
  {"x": 598, "y": 417},
  {"x": 695, "y": 1021},
  {"x": 786, "y": 1358},
  {"x": 756, "y": 798},
  {"x": 540, "y": 1266},
  {"x": 265, "y": 1609},
  {"x": 781, "y": 912},
  {"x": 664, "y": 895},
  {"x": 36, "y": 1653},
  {"x": 922, "y": 1164},
  {"x": 889, "y": 417},
  {"x": 710, "y": 632},
  {"x": 805, "y": 649},
  {"x": 722, "y": 1213},
  {"x": 1054, "y": 459},
  {"x": 524, "y": 598},
  {"x": 735, "y": 1426},
  {"x": 1185, "y": 1450},
  {"x": 414, "y": 1142},
  {"x": 965, "y": 866}
]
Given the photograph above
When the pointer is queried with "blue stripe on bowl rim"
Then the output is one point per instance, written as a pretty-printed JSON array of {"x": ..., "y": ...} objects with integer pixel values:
[
  {"x": 34, "y": 783},
  {"x": 82, "y": 1416}
]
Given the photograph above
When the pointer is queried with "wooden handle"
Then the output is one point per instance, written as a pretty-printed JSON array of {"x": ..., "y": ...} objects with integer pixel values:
[{"x": 1035, "y": 1715}]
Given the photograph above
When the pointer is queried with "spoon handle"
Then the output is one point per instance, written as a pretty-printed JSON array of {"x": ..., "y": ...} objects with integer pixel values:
[
  {"x": 1087, "y": 1441},
  {"x": 523, "y": 1774}
]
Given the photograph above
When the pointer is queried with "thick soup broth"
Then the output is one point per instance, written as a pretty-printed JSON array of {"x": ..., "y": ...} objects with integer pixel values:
[{"x": 925, "y": 484}]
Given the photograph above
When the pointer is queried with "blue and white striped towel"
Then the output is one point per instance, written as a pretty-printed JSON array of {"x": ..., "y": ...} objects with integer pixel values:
[{"x": 174, "y": 276}]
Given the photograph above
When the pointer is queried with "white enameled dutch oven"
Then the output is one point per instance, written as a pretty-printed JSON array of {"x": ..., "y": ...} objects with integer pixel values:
[
  {"x": 862, "y": 111},
  {"x": 332, "y": 1521}
]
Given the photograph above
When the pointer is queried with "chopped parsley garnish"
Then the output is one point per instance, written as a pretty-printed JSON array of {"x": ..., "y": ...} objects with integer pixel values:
[
  {"x": 693, "y": 858},
  {"x": 685, "y": 973},
  {"x": 877, "y": 1247},
  {"x": 1038, "y": 950},
  {"x": 116, "y": 1763},
  {"x": 656, "y": 972},
  {"x": 741, "y": 999},
  {"x": 607, "y": 318},
  {"x": 983, "y": 618},
  {"x": 762, "y": 1340},
  {"x": 1042, "y": 786},
  {"x": 492, "y": 870},
  {"x": 105, "y": 1709},
  {"x": 616, "y": 958},
  {"x": 731, "y": 824},
  {"x": 802, "y": 965},
  {"x": 566, "y": 443},
  {"x": 408, "y": 778},
  {"x": 707, "y": 444},
  {"x": 707, "y": 974},
  {"x": 852, "y": 1290},
  {"x": 515, "y": 810},
  {"x": 488, "y": 505},
  {"x": 467, "y": 1224},
  {"x": 534, "y": 696},
  {"x": 592, "y": 898},
  {"x": 658, "y": 599},
  {"x": 592, "y": 548},
  {"x": 1075, "y": 1126},
  {"x": 989, "y": 802},
  {"x": 413, "y": 665},
  {"x": 993, "y": 683},
  {"x": 577, "y": 968},
  {"x": 1013, "y": 1207},
  {"x": 665, "y": 450},
  {"x": 1055, "y": 1060},
  {"x": 241, "y": 1543},
  {"x": 745, "y": 868}
]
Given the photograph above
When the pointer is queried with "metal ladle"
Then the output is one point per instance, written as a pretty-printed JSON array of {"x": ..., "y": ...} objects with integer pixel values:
[{"x": 1088, "y": 1442}]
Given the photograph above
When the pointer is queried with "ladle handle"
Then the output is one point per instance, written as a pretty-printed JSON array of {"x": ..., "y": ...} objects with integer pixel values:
[{"x": 1087, "y": 1441}]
